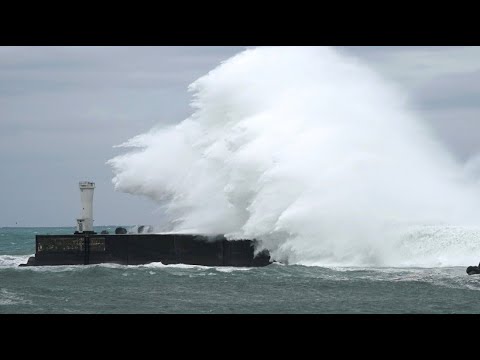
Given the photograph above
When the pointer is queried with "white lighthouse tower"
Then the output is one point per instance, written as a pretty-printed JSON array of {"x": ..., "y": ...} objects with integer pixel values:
[{"x": 85, "y": 222}]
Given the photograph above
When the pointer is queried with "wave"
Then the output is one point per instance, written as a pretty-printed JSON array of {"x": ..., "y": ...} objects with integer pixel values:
[{"x": 313, "y": 154}]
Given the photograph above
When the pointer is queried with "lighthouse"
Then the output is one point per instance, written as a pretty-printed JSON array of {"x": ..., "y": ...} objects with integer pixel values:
[{"x": 85, "y": 222}]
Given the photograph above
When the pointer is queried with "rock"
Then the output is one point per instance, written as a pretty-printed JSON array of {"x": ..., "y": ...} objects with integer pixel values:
[
  {"x": 473, "y": 270},
  {"x": 120, "y": 231}
]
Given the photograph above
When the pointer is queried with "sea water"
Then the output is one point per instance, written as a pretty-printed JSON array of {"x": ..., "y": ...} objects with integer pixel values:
[{"x": 186, "y": 289}]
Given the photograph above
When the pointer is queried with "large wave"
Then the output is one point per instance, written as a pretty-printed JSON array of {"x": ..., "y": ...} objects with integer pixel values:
[{"x": 309, "y": 151}]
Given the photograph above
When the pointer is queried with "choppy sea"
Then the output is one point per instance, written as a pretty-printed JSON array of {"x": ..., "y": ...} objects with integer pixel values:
[{"x": 187, "y": 289}]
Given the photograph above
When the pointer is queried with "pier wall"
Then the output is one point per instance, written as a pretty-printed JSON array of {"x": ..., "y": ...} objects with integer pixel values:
[{"x": 136, "y": 249}]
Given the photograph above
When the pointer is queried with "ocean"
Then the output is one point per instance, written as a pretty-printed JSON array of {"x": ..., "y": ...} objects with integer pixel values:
[{"x": 187, "y": 289}]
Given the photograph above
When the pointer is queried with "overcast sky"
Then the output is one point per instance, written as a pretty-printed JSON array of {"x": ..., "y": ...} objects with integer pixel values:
[{"x": 62, "y": 109}]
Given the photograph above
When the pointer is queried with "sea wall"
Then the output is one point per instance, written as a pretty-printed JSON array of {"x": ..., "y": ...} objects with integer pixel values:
[{"x": 136, "y": 249}]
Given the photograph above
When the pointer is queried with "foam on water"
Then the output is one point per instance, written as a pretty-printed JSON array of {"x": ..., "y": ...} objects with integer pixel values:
[{"x": 13, "y": 260}]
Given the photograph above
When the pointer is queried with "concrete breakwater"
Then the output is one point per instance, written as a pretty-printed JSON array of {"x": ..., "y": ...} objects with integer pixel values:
[{"x": 137, "y": 249}]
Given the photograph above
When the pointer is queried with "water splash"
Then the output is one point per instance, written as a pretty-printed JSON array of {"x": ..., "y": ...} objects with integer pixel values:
[{"x": 309, "y": 151}]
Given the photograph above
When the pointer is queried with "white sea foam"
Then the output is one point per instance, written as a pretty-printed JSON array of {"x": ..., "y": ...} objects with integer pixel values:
[
  {"x": 315, "y": 155},
  {"x": 13, "y": 260},
  {"x": 159, "y": 265}
]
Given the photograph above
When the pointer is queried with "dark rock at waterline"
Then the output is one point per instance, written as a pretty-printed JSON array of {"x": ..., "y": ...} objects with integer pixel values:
[
  {"x": 120, "y": 231},
  {"x": 473, "y": 270}
]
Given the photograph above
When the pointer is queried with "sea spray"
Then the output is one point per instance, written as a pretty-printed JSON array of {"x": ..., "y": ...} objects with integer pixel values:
[{"x": 308, "y": 151}]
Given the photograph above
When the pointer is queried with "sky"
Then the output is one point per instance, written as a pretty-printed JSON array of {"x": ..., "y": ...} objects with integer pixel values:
[{"x": 63, "y": 109}]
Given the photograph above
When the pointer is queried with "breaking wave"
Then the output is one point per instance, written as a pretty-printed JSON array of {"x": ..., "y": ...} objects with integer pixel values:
[{"x": 315, "y": 155}]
